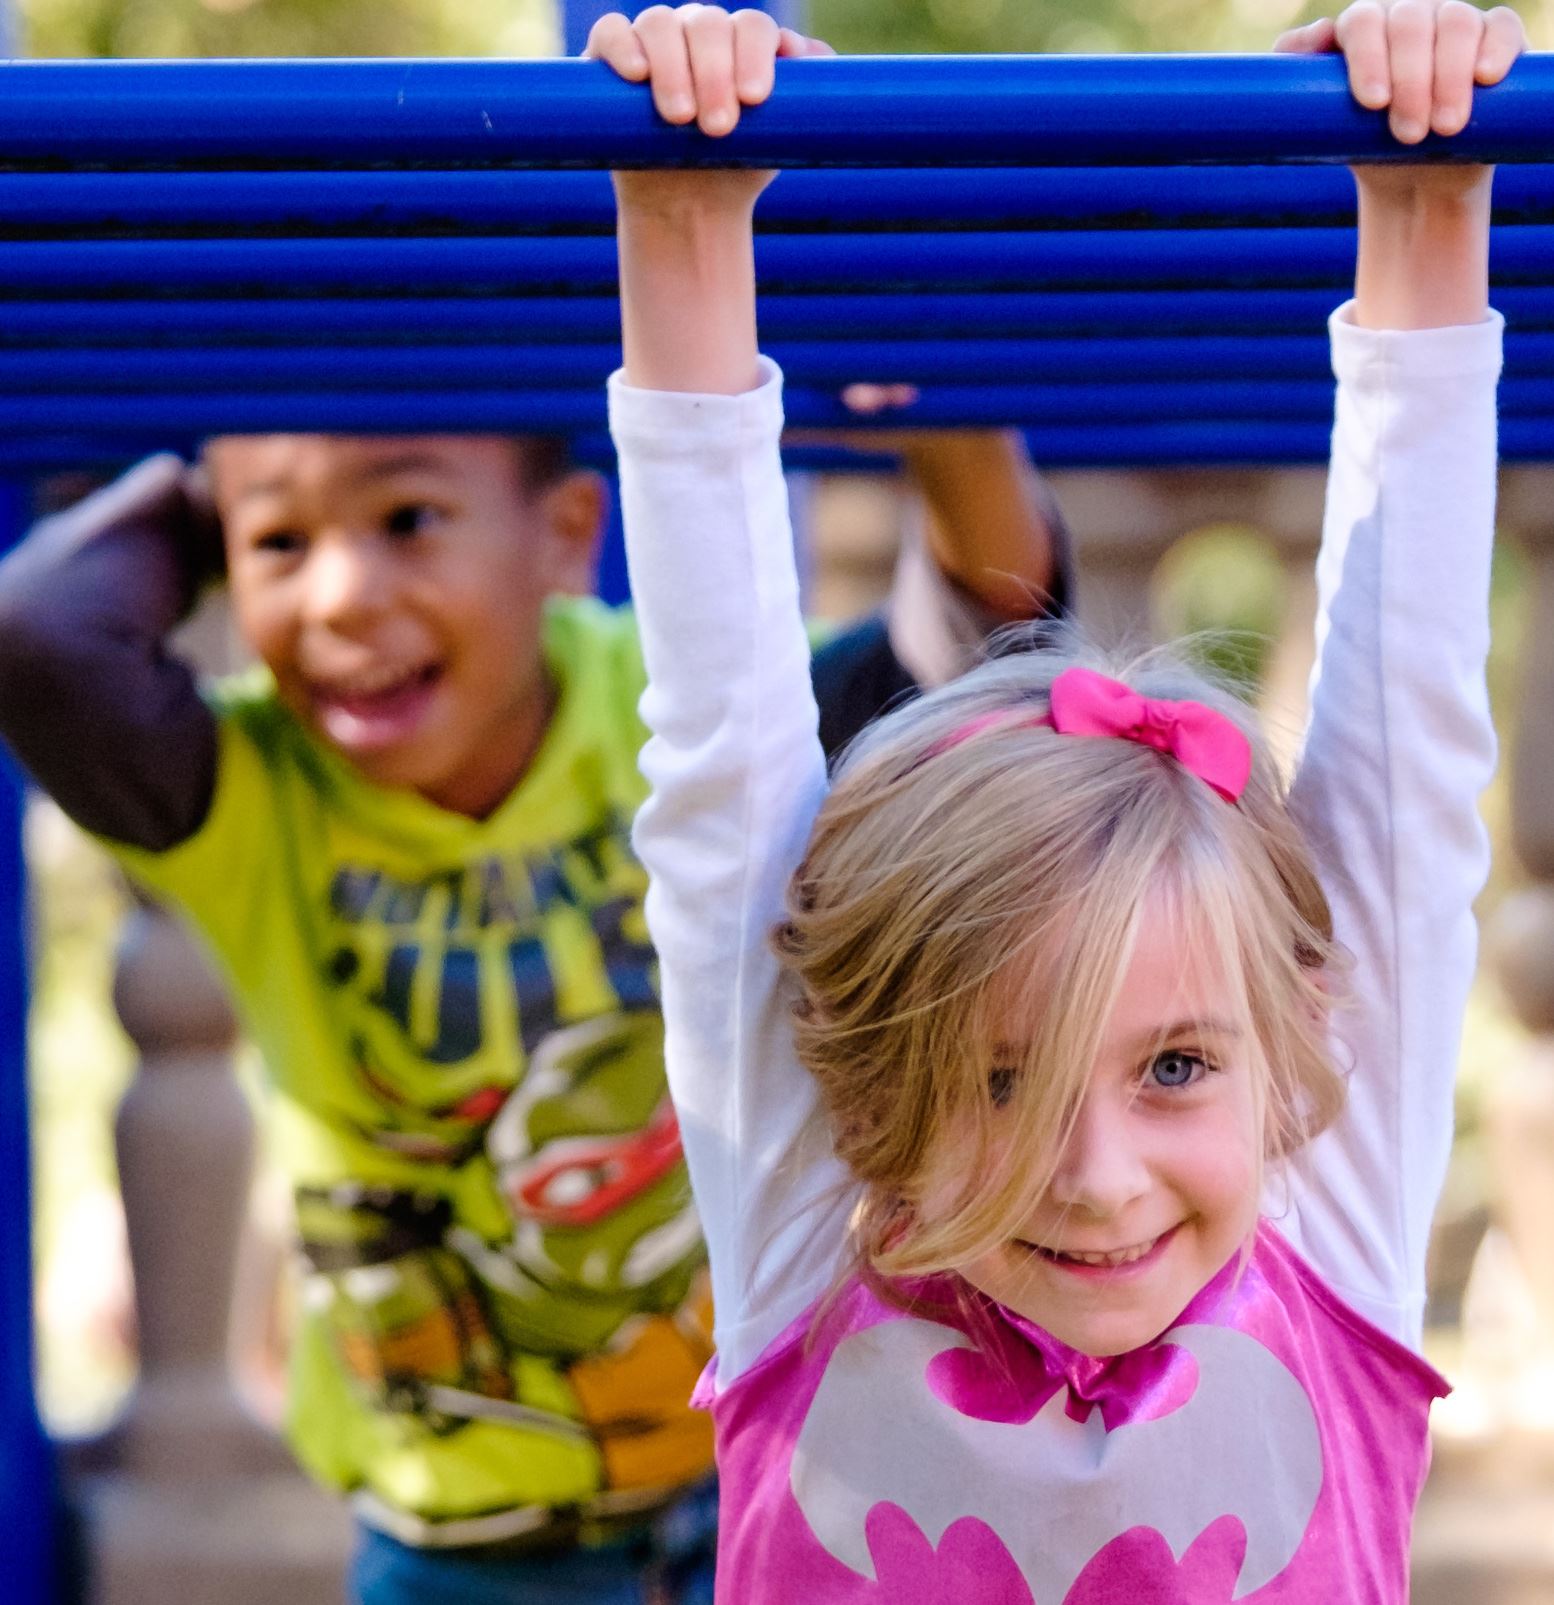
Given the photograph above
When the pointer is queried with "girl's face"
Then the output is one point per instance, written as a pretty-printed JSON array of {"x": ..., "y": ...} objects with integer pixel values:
[{"x": 1157, "y": 1187}]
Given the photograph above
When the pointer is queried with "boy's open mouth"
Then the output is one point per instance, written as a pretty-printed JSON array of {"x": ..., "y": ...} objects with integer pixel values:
[{"x": 373, "y": 711}]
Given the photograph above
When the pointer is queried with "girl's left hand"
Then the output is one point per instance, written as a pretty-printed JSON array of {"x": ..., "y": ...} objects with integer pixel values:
[{"x": 1417, "y": 60}]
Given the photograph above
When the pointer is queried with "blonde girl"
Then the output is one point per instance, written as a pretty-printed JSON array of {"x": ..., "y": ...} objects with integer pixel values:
[{"x": 1065, "y": 1102}]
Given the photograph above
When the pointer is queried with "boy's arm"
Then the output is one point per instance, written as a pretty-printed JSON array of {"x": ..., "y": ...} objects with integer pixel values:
[
  {"x": 1400, "y": 743},
  {"x": 96, "y": 708},
  {"x": 735, "y": 766}
]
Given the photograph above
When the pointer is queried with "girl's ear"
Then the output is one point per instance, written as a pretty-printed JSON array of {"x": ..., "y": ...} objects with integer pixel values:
[{"x": 574, "y": 510}]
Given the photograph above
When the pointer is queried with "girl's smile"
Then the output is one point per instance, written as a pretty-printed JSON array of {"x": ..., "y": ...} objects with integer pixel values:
[{"x": 1130, "y": 1260}]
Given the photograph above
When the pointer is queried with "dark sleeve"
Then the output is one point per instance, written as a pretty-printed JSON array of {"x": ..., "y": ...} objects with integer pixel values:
[
  {"x": 92, "y": 703},
  {"x": 857, "y": 676}
]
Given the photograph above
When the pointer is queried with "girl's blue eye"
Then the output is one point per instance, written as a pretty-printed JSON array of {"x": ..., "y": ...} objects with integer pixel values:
[{"x": 1177, "y": 1069}]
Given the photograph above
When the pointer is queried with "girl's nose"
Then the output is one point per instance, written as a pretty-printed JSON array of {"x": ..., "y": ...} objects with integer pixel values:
[{"x": 1102, "y": 1169}]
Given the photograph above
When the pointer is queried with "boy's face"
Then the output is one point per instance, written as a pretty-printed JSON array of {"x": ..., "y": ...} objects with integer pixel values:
[{"x": 395, "y": 586}]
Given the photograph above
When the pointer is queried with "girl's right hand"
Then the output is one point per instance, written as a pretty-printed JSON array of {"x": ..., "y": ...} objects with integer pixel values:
[{"x": 704, "y": 65}]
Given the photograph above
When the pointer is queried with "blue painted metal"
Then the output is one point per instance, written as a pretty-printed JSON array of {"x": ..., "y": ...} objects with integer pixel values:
[
  {"x": 28, "y": 1498},
  {"x": 1234, "y": 443},
  {"x": 381, "y": 320},
  {"x": 1047, "y": 111},
  {"x": 26, "y": 1463},
  {"x": 153, "y": 417},
  {"x": 326, "y": 368},
  {"x": 80, "y": 205},
  {"x": 1197, "y": 258}
]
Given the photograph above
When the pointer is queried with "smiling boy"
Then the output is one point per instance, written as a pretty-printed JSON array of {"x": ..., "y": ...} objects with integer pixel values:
[{"x": 405, "y": 838}]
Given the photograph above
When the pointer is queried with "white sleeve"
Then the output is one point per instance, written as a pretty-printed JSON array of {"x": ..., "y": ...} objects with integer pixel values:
[
  {"x": 1398, "y": 750},
  {"x": 737, "y": 774}
]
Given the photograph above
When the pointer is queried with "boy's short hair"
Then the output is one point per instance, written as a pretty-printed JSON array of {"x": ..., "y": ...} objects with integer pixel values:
[{"x": 543, "y": 459}]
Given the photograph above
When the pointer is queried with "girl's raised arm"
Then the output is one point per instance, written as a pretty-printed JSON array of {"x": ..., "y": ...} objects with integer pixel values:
[
  {"x": 735, "y": 765},
  {"x": 1400, "y": 743}
]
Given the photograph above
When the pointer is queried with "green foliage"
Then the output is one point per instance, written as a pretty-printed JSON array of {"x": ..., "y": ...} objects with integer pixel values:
[
  {"x": 1224, "y": 588},
  {"x": 216, "y": 28},
  {"x": 1095, "y": 28}
]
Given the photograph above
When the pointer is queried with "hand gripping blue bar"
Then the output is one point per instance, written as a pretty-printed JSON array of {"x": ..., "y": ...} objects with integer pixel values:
[{"x": 984, "y": 111}]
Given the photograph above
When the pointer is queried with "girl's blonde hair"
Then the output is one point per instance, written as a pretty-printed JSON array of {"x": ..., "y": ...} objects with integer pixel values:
[{"x": 964, "y": 914}]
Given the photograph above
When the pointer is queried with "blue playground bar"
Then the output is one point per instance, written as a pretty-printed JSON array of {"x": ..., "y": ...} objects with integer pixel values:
[{"x": 1030, "y": 111}]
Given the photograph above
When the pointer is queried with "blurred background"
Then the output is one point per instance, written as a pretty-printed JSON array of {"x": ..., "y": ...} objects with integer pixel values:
[{"x": 1189, "y": 551}]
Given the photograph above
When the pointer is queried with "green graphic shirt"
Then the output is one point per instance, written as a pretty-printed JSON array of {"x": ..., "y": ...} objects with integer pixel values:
[{"x": 504, "y": 1309}]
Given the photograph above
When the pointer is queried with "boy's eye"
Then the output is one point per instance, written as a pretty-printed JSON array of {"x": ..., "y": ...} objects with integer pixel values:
[
  {"x": 281, "y": 541},
  {"x": 411, "y": 518},
  {"x": 1177, "y": 1069},
  {"x": 1000, "y": 1085}
]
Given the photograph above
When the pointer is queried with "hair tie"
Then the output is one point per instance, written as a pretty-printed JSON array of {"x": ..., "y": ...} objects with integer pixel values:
[{"x": 1083, "y": 703}]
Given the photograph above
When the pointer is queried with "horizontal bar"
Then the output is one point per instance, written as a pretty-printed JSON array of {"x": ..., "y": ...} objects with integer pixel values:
[
  {"x": 1040, "y": 111},
  {"x": 171, "y": 324},
  {"x": 474, "y": 202},
  {"x": 383, "y": 319},
  {"x": 1081, "y": 364},
  {"x": 1251, "y": 258},
  {"x": 573, "y": 411},
  {"x": 1243, "y": 443}
]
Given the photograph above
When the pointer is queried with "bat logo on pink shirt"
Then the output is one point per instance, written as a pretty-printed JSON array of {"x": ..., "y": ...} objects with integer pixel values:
[{"x": 1057, "y": 1491}]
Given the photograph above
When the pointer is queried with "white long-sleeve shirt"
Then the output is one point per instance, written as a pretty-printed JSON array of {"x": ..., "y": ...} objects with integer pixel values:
[{"x": 1330, "y": 1432}]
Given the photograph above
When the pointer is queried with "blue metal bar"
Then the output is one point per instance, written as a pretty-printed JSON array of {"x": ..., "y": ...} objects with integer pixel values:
[
  {"x": 834, "y": 363},
  {"x": 1251, "y": 258},
  {"x": 26, "y": 1463},
  {"x": 28, "y": 1495},
  {"x": 1174, "y": 443},
  {"x": 466, "y": 202},
  {"x": 176, "y": 322},
  {"x": 151, "y": 417},
  {"x": 1044, "y": 111}
]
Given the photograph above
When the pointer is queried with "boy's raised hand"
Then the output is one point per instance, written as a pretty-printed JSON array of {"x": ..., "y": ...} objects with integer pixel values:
[
  {"x": 1424, "y": 228},
  {"x": 687, "y": 270}
]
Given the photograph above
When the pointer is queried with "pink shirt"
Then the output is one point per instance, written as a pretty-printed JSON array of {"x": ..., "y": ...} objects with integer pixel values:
[
  {"x": 1272, "y": 1444},
  {"x": 1270, "y": 1447}
]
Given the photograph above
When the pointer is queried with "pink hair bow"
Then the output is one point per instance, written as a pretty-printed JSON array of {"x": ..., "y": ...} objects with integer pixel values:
[{"x": 1202, "y": 740}]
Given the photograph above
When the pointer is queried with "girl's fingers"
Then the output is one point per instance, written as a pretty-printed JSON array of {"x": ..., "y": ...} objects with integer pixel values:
[
  {"x": 1411, "y": 38},
  {"x": 756, "y": 38},
  {"x": 1314, "y": 39},
  {"x": 1459, "y": 30},
  {"x": 793, "y": 43},
  {"x": 662, "y": 36},
  {"x": 1361, "y": 33},
  {"x": 709, "y": 40},
  {"x": 612, "y": 39},
  {"x": 1504, "y": 40}
]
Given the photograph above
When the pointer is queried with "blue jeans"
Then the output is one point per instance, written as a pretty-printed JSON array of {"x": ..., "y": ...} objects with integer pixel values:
[{"x": 672, "y": 1565}]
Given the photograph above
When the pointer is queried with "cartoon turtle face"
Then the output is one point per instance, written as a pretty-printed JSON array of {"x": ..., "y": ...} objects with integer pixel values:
[{"x": 587, "y": 1155}]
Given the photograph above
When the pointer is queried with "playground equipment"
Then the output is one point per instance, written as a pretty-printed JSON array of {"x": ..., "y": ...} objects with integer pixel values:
[{"x": 1069, "y": 245}]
